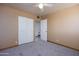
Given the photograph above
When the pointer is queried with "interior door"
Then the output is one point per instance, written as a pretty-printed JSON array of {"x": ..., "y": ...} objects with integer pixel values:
[
  {"x": 25, "y": 30},
  {"x": 44, "y": 29}
]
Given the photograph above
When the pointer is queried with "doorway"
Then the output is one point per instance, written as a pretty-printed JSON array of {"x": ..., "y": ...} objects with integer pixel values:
[{"x": 41, "y": 29}]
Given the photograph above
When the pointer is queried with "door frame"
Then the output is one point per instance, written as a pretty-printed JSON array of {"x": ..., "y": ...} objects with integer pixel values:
[{"x": 46, "y": 29}]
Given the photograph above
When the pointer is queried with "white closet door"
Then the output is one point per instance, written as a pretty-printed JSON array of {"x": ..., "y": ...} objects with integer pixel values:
[
  {"x": 25, "y": 30},
  {"x": 44, "y": 30}
]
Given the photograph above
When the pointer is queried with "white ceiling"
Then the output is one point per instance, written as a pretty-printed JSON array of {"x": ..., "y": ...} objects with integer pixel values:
[{"x": 31, "y": 7}]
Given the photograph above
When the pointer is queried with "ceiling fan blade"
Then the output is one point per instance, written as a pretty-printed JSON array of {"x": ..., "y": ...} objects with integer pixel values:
[{"x": 48, "y": 5}]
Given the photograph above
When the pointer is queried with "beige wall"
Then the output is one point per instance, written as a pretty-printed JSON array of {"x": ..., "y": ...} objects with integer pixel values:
[
  {"x": 63, "y": 27},
  {"x": 9, "y": 25}
]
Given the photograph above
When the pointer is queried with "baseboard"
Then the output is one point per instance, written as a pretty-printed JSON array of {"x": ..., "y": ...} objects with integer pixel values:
[
  {"x": 8, "y": 47},
  {"x": 48, "y": 41},
  {"x": 63, "y": 45},
  {"x": 14, "y": 46}
]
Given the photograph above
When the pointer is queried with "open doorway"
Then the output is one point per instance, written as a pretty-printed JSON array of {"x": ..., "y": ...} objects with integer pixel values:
[
  {"x": 37, "y": 29},
  {"x": 41, "y": 29}
]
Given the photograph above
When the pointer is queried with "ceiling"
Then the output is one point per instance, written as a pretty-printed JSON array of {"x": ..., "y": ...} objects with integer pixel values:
[{"x": 31, "y": 7}]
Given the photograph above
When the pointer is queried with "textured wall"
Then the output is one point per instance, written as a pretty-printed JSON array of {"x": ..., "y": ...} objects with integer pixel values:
[
  {"x": 9, "y": 25},
  {"x": 63, "y": 27}
]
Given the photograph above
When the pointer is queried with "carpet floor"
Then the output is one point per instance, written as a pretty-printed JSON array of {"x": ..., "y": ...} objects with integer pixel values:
[{"x": 39, "y": 48}]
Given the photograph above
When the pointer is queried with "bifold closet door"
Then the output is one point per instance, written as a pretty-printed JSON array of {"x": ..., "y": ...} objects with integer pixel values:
[
  {"x": 44, "y": 29},
  {"x": 25, "y": 30}
]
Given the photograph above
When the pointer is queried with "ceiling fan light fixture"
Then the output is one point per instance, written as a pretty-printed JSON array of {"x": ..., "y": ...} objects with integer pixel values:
[{"x": 41, "y": 6}]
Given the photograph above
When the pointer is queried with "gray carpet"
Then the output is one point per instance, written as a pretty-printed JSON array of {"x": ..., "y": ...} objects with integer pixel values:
[{"x": 39, "y": 48}]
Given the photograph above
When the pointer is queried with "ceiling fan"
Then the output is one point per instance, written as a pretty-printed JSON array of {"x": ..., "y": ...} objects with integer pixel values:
[{"x": 42, "y": 5}]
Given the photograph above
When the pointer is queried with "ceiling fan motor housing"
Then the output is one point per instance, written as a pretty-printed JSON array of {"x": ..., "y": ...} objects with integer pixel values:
[{"x": 38, "y": 17}]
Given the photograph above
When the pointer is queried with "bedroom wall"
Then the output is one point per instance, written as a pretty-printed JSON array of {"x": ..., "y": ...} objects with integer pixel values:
[
  {"x": 9, "y": 25},
  {"x": 63, "y": 27}
]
